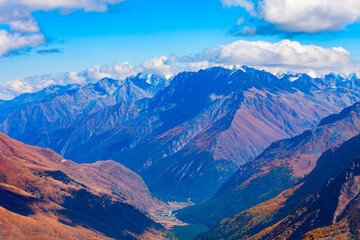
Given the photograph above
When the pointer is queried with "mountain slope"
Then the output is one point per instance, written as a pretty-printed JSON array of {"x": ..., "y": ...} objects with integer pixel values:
[
  {"x": 284, "y": 214},
  {"x": 336, "y": 204},
  {"x": 91, "y": 201},
  {"x": 276, "y": 169}
]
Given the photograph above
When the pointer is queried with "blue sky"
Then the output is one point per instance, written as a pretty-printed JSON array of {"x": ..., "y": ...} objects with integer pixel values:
[
  {"x": 71, "y": 38},
  {"x": 134, "y": 31}
]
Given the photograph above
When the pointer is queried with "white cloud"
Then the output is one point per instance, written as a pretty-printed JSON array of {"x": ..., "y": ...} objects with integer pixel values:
[
  {"x": 310, "y": 16},
  {"x": 248, "y": 5},
  {"x": 161, "y": 66},
  {"x": 286, "y": 54},
  {"x": 46, "y": 5},
  {"x": 18, "y": 13},
  {"x": 18, "y": 18},
  {"x": 25, "y": 26},
  {"x": 277, "y": 57},
  {"x": 116, "y": 70},
  {"x": 294, "y": 16},
  {"x": 14, "y": 41},
  {"x": 13, "y": 88},
  {"x": 24, "y": 29},
  {"x": 119, "y": 71},
  {"x": 197, "y": 65}
]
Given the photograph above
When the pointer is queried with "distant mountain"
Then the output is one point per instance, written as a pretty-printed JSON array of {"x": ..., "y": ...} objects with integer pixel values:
[
  {"x": 189, "y": 138},
  {"x": 24, "y": 117},
  {"x": 323, "y": 205},
  {"x": 43, "y": 196},
  {"x": 276, "y": 169}
]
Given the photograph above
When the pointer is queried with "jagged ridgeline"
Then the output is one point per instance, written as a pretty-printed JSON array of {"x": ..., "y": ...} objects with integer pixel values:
[{"x": 185, "y": 138}]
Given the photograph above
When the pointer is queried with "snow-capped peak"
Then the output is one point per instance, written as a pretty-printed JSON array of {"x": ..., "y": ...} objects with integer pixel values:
[{"x": 313, "y": 74}]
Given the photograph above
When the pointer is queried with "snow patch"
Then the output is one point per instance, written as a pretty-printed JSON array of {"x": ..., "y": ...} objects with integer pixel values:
[
  {"x": 214, "y": 97},
  {"x": 293, "y": 78},
  {"x": 313, "y": 74}
]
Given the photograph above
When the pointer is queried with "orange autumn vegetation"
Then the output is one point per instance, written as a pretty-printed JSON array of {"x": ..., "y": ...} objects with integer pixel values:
[
  {"x": 338, "y": 231},
  {"x": 43, "y": 196}
]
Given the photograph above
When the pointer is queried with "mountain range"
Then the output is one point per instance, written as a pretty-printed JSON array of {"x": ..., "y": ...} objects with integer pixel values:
[
  {"x": 185, "y": 139},
  {"x": 262, "y": 157}
]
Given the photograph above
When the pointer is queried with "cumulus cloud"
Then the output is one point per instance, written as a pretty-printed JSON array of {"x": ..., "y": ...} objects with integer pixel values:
[
  {"x": 286, "y": 54},
  {"x": 13, "y": 88},
  {"x": 162, "y": 66},
  {"x": 116, "y": 70},
  {"x": 294, "y": 16},
  {"x": 120, "y": 71},
  {"x": 18, "y": 13},
  {"x": 310, "y": 16},
  {"x": 13, "y": 41},
  {"x": 18, "y": 18},
  {"x": 24, "y": 29},
  {"x": 276, "y": 57}
]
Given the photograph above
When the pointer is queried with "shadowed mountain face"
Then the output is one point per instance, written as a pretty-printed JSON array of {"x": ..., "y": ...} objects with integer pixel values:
[
  {"x": 325, "y": 199},
  {"x": 189, "y": 138},
  {"x": 276, "y": 169},
  {"x": 43, "y": 195}
]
